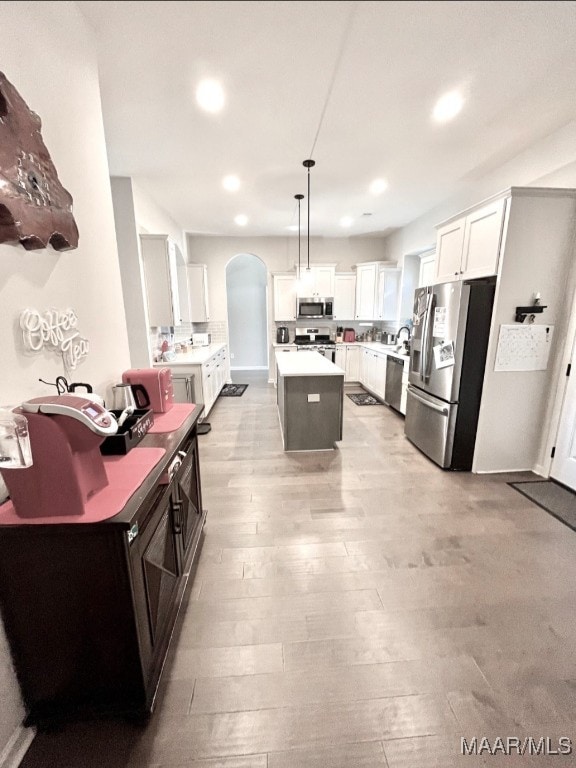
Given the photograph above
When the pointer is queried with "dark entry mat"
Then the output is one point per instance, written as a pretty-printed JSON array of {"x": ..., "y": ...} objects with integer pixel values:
[
  {"x": 554, "y": 498},
  {"x": 233, "y": 390},
  {"x": 364, "y": 399}
]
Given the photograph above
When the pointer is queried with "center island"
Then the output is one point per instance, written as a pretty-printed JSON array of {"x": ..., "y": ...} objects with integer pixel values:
[{"x": 310, "y": 401}]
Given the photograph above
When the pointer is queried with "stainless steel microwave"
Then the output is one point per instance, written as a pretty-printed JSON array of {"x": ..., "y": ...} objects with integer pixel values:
[{"x": 315, "y": 307}]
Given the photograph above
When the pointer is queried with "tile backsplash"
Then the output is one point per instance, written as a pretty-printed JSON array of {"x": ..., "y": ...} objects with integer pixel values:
[{"x": 217, "y": 328}]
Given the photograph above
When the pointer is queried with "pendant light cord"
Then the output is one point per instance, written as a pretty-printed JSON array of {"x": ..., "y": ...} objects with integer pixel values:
[
  {"x": 308, "y": 221},
  {"x": 339, "y": 57}
]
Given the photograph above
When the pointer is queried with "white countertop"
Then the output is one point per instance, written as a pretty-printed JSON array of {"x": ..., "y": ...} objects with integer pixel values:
[
  {"x": 196, "y": 356},
  {"x": 389, "y": 349},
  {"x": 306, "y": 364}
]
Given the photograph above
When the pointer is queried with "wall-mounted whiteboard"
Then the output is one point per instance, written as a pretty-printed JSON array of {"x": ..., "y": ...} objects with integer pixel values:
[{"x": 523, "y": 347}]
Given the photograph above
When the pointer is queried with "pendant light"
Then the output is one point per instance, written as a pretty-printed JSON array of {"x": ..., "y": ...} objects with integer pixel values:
[
  {"x": 308, "y": 164},
  {"x": 299, "y": 198}
]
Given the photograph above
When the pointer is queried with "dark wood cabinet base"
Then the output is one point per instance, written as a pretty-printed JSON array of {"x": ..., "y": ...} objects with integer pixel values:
[{"x": 90, "y": 609}]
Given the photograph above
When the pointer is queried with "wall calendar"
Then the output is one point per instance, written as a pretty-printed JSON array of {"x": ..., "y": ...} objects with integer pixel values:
[{"x": 523, "y": 347}]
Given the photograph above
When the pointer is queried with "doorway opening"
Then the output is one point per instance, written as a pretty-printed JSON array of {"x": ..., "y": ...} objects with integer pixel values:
[{"x": 246, "y": 296}]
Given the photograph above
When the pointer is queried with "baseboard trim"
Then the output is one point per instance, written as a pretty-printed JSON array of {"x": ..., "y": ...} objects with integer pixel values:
[
  {"x": 17, "y": 746},
  {"x": 249, "y": 368}
]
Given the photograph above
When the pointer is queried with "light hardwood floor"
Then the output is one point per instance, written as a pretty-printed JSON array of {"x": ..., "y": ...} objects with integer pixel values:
[{"x": 353, "y": 608}]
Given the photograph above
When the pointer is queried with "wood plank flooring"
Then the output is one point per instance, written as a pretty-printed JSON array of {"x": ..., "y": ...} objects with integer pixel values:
[{"x": 357, "y": 608}]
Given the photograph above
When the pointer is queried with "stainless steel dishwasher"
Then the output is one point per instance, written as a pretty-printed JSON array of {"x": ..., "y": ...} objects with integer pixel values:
[{"x": 394, "y": 371}]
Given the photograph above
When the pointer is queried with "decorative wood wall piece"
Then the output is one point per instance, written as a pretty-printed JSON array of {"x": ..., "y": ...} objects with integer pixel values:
[{"x": 35, "y": 209}]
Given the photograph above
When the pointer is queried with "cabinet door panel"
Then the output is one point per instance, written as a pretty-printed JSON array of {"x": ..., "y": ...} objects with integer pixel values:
[
  {"x": 284, "y": 297},
  {"x": 353, "y": 364},
  {"x": 450, "y": 241},
  {"x": 187, "y": 502},
  {"x": 482, "y": 237},
  {"x": 323, "y": 281},
  {"x": 160, "y": 565},
  {"x": 365, "y": 292},
  {"x": 344, "y": 297}
]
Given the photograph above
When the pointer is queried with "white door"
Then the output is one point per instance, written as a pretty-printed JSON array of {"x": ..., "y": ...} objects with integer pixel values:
[
  {"x": 344, "y": 297},
  {"x": 564, "y": 463},
  {"x": 284, "y": 297}
]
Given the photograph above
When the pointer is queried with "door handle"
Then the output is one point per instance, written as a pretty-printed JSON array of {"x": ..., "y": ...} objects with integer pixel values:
[{"x": 177, "y": 523}]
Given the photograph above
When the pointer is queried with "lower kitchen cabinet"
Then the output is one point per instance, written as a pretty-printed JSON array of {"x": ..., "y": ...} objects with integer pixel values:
[
  {"x": 348, "y": 358},
  {"x": 89, "y": 608},
  {"x": 373, "y": 372},
  {"x": 201, "y": 383}
]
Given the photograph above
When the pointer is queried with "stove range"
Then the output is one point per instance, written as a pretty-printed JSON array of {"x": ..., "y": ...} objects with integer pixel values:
[{"x": 315, "y": 340}]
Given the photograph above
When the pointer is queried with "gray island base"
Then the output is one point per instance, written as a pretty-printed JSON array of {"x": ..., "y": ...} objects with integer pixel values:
[{"x": 310, "y": 401}]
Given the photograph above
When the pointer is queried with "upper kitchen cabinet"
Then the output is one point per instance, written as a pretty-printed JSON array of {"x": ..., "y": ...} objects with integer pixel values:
[
  {"x": 377, "y": 285},
  {"x": 468, "y": 246},
  {"x": 427, "y": 268},
  {"x": 318, "y": 281},
  {"x": 344, "y": 296},
  {"x": 194, "y": 278},
  {"x": 161, "y": 258},
  {"x": 285, "y": 297}
]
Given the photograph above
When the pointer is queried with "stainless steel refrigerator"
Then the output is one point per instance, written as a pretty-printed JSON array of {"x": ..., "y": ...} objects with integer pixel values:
[{"x": 447, "y": 360}]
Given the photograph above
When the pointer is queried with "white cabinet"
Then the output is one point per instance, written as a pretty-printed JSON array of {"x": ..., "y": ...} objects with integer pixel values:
[
  {"x": 469, "y": 246},
  {"x": 404, "y": 395},
  {"x": 284, "y": 297},
  {"x": 366, "y": 285},
  {"x": 318, "y": 281},
  {"x": 388, "y": 293},
  {"x": 373, "y": 372},
  {"x": 348, "y": 358},
  {"x": 195, "y": 277},
  {"x": 377, "y": 291},
  {"x": 427, "y": 272},
  {"x": 160, "y": 260},
  {"x": 340, "y": 357},
  {"x": 201, "y": 382},
  {"x": 352, "y": 363},
  {"x": 344, "y": 296}
]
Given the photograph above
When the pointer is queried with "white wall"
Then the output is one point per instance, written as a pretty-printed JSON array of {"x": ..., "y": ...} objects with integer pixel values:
[
  {"x": 47, "y": 54},
  {"x": 153, "y": 220},
  {"x": 280, "y": 254},
  {"x": 550, "y": 162},
  {"x": 136, "y": 213}
]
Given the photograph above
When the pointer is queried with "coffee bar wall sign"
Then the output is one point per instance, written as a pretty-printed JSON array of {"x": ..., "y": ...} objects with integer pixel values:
[
  {"x": 56, "y": 330},
  {"x": 35, "y": 209}
]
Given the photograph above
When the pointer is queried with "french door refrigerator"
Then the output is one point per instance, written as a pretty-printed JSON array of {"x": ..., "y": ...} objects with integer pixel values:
[{"x": 451, "y": 327}]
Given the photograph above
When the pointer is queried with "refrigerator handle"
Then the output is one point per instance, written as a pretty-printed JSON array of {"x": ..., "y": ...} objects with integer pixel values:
[
  {"x": 439, "y": 408},
  {"x": 429, "y": 337},
  {"x": 423, "y": 365}
]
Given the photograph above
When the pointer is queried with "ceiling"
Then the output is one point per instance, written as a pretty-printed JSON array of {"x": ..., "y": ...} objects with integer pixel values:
[{"x": 350, "y": 84}]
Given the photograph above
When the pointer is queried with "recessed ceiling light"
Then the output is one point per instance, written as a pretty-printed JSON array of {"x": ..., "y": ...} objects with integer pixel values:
[
  {"x": 241, "y": 220},
  {"x": 231, "y": 183},
  {"x": 448, "y": 106},
  {"x": 378, "y": 186},
  {"x": 293, "y": 227},
  {"x": 346, "y": 221},
  {"x": 210, "y": 95}
]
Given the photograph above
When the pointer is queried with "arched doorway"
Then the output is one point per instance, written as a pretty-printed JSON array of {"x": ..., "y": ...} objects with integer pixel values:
[{"x": 246, "y": 296}]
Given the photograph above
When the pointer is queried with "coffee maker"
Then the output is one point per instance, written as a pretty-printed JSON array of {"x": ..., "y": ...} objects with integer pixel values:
[
  {"x": 282, "y": 335},
  {"x": 65, "y": 434}
]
